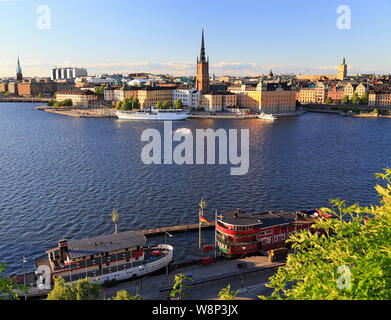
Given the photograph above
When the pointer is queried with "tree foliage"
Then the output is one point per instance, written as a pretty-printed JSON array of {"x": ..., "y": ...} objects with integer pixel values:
[
  {"x": 227, "y": 294},
  {"x": 329, "y": 100},
  {"x": 179, "y": 287},
  {"x": 84, "y": 289},
  {"x": 8, "y": 286},
  {"x": 353, "y": 261},
  {"x": 123, "y": 295},
  {"x": 178, "y": 104}
]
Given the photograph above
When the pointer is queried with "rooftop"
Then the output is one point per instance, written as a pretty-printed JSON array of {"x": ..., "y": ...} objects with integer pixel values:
[
  {"x": 106, "y": 243},
  {"x": 240, "y": 218}
]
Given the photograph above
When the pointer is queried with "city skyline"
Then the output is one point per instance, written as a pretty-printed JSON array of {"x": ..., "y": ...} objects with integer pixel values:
[{"x": 127, "y": 37}]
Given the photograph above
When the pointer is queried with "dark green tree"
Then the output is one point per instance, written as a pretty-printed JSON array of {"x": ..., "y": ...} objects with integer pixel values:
[{"x": 178, "y": 104}]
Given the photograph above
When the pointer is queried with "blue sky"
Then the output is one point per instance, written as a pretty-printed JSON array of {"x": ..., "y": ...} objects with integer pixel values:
[{"x": 242, "y": 37}]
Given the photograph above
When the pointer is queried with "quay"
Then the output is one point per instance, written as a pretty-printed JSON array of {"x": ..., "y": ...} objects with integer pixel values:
[
  {"x": 80, "y": 113},
  {"x": 21, "y": 99},
  {"x": 177, "y": 229}
]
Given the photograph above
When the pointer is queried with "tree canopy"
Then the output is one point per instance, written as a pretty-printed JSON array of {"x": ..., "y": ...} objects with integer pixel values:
[
  {"x": 178, "y": 104},
  {"x": 84, "y": 289},
  {"x": 352, "y": 261}
]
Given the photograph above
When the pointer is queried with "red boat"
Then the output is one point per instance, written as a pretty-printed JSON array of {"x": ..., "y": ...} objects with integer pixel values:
[{"x": 239, "y": 233}]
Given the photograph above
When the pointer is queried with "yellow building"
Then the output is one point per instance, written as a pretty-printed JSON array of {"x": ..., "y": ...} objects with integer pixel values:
[
  {"x": 216, "y": 102},
  {"x": 277, "y": 97},
  {"x": 149, "y": 97},
  {"x": 80, "y": 98},
  {"x": 307, "y": 95},
  {"x": 269, "y": 96}
]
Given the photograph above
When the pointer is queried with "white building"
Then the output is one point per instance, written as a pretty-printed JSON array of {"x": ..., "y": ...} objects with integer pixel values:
[
  {"x": 68, "y": 73},
  {"x": 190, "y": 97}
]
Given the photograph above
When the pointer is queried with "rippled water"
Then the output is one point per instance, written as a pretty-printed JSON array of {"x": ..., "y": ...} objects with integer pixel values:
[{"x": 62, "y": 176}]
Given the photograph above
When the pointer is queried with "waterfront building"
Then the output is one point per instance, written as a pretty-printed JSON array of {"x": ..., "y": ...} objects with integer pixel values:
[
  {"x": 124, "y": 92},
  {"x": 308, "y": 95},
  {"x": 342, "y": 70},
  {"x": 213, "y": 102},
  {"x": 150, "y": 96},
  {"x": 190, "y": 97},
  {"x": 13, "y": 87},
  {"x": 202, "y": 79},
  {"x": 361, "y": 89},
  {"x": 19, "y": 74},
  {"x": 349, "y": 90},
  {"x": 239, "y": 233},
  {"x": 321, "y": 92},
  {"x": 3, "y": 86},
  {"x": 31, "y": 88},
  {"x": 336, "y": 92},
  {"x": 68, "y": 73},
  {"x": 80, "y": 98},
  {"x": 380, "y": 97},
  {"x": 277, "y": 97},
  {"x": 271, "y": 95}
]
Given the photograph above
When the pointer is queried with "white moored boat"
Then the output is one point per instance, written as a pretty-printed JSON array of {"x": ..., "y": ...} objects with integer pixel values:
[
  {"x": 265, "y": 116},
  {"x": 116, "y": 256},
  {"x": 153, "y": 114}
]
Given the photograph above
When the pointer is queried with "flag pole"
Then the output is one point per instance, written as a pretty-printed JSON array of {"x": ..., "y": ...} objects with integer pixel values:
[{"x": 215, "y": 232}]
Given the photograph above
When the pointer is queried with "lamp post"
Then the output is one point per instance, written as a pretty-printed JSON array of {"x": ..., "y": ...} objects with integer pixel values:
[
  {"x": 165, "y": 243},
  {"x": 24, "y": 277}
]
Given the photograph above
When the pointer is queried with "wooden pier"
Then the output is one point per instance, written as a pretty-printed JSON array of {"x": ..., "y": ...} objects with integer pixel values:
[{"x": 177, "y": 229}]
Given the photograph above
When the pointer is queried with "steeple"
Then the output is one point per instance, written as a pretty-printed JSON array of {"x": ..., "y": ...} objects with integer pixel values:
[
  {"x": 202, "y": 79},
  {"x": 19, "y": 75},
  {"x": 202, "y": 55}
]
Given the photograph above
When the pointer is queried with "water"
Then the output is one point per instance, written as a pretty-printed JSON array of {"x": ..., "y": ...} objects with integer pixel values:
[{"x": 62, "y": 176}]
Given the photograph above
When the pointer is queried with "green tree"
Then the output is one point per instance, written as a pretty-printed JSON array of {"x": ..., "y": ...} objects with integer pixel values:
[
  {"x": 8, "y": 286},
  {"x": 355, "y": 98},
  {"x": 51, "y": 103},
  {"x": 115, "y": 218},
  {"x": 123, "y": 295},
  {"x": 159, "y": 105},
  {"x": 352, "y": 261},
  {"x": 166, "y": 105},
  {"x": 178, "y": 288},
  {"x": 329, "y": 100},
  {"x": 136, "y": 103},
  {"x": 84, "y": 289},
  {"x": 345, "y": 100},
  {"x": 364, "y": 99},
  {"x": 227, "y": 294},
  {"x": 126, "y": 104},
  {"x": 7, "y": 94},
  {"x": 178, "y": 104},
  {"x": 118, "y": 105}
]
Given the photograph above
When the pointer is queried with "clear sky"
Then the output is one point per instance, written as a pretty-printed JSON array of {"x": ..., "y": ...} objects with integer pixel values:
[{"x": 164, "y": 36}]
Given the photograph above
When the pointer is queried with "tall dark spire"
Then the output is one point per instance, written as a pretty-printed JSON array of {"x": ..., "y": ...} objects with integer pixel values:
[
  {"x": 202, "y": 56},
  {"x": 19, "y": 75}
]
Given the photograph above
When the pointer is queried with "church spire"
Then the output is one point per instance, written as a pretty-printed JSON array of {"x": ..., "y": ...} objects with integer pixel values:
[
  {"x": 19, "y": 75},
  {"x": 202, "y": 56}
]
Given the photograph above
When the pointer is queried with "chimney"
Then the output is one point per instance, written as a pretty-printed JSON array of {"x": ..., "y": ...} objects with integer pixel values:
[{"x": 63, "y": 245}]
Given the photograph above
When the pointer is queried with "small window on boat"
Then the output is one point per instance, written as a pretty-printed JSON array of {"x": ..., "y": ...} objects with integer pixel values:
[{"x": 107, "y": 264}]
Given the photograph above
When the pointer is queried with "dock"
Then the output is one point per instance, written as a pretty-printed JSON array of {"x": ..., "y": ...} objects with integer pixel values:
[{"x": 177, "y": 229}]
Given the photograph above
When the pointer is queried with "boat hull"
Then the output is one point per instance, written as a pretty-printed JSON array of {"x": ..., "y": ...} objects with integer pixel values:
[{"x": 157, "y": 116}]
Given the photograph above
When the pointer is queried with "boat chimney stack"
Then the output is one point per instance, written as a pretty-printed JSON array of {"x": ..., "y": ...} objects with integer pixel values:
[{"x": 63, "y": 245}]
